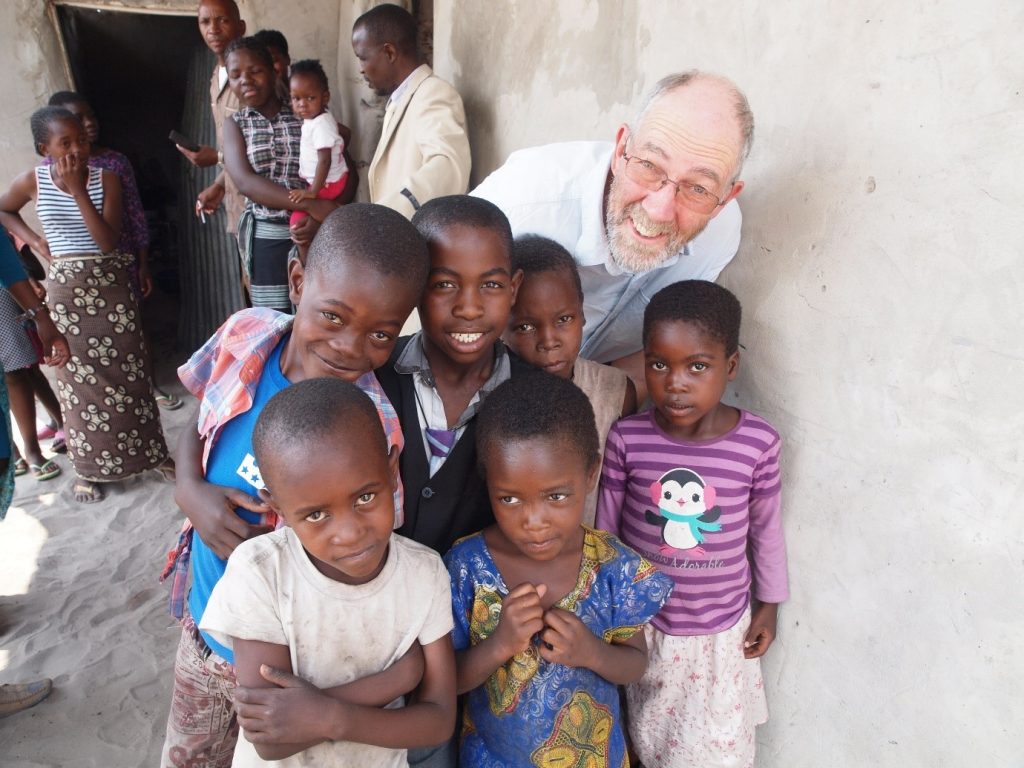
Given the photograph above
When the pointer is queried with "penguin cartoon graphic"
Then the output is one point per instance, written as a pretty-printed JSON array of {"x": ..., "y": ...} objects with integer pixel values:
[{"x": 686, "y": 510}]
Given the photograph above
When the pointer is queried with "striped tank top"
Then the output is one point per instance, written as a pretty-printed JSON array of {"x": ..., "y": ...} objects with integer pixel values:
[{"x": 58, "y": 212}]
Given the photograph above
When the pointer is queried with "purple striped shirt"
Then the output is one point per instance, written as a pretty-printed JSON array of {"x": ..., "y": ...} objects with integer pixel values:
[{"x": 695, "y": 510}]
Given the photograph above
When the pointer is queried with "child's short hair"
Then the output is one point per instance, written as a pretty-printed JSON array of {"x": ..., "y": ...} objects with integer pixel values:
[
  {"x": 302, "y": 414},
  {"x": 63, "y": 98},
  {"x": 440, "y": 214},
  {"x": 253, "y": 44},
  {"x": 535, "y": 255},
  {"x": 375, "y": 238},
  {"x": 388, "y": 23},
  {"x": 715, "y": 309},
  {"x": 312, "y": 68},
  {"x": 271, "y": 38},
  {"x": 40, "y": 123},
  {"x": 537, "y": 405}
]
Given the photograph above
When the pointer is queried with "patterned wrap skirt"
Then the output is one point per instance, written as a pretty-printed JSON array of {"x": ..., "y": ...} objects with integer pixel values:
[{"x": 106, "y": 394}]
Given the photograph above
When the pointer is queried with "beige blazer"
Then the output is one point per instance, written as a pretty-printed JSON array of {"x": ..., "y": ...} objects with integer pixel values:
[{"x": 423, "y": 150}]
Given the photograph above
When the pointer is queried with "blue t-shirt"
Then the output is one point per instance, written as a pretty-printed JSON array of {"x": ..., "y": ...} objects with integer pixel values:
[{"x": 232, "y": 463}]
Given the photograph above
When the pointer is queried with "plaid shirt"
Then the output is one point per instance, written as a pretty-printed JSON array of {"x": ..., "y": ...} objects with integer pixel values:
[
  {"x": 272, "y": 147},
  {"x": 224, "y": 375}
]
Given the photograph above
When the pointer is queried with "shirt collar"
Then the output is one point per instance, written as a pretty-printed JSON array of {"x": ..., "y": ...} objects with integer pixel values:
[
  {"x": 402, "y": 87},
  {"x": 413, "y": 360}
]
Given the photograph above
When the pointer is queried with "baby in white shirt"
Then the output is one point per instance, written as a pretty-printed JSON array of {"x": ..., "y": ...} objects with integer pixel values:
[{"x": 321, "y": 160}]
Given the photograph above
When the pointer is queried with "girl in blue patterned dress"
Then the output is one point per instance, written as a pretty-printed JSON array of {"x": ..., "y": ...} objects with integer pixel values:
[{"x": 548, "y": 612}]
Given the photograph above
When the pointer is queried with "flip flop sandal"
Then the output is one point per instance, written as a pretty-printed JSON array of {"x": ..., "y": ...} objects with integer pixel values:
[
  {"x": 59, "y": 444},
  {"x": 45, "y": 471},
  {"x": 87, "y": 493},
  {"x": 167, "y": 471},
  {"x": 20, "y": 467},
  {"x": 168, "y": 401}
]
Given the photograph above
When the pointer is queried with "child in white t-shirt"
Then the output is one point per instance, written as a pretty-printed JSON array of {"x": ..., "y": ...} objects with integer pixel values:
[
  {"x": 321, "y": 150},
  {"x": 333, "y": 618}
]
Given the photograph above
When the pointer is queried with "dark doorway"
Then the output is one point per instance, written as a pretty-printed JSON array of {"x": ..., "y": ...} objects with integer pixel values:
[{"x": 132, "y": 67}]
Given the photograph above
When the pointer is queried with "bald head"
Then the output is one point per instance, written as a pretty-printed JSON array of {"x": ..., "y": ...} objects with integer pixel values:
[{"x": 712, "y": 103}]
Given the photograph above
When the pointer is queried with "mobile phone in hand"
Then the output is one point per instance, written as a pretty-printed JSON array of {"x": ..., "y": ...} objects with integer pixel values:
[{"x": 183, "y": 141}]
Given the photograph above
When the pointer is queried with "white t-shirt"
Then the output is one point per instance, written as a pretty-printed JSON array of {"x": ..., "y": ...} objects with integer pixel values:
[
  {"x": 335, "y": 632},
  {"x": 319, "y": 133},
  {"x": 557, "y": 191}
]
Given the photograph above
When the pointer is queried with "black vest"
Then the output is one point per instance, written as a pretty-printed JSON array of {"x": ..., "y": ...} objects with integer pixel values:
[{"x": 453, "y": 503}]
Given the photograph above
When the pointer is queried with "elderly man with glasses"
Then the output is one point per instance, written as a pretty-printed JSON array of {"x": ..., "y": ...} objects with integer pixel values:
[{"x": 654, "y": 208}]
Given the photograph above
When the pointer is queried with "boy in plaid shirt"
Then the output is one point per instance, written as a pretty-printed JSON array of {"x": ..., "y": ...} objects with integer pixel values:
[{"x": 363, "y": 275}]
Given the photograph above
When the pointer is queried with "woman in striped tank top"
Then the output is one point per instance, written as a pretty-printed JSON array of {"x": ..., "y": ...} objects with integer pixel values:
[
  {"x": 693, "y": 486},
  {"x": 105, "y": 391}
]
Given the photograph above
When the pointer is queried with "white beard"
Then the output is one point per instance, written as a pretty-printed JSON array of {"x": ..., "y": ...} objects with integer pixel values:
[{"x": 629, "y": 254}]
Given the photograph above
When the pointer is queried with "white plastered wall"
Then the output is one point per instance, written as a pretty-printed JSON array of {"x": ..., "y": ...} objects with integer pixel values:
[{"x": 881, "y": 275}]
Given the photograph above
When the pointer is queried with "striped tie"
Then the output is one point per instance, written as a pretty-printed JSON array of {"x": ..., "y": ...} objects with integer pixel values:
[{"x": 440, "y": 441}]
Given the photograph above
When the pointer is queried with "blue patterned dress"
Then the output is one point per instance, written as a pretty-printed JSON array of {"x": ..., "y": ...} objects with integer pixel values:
[{"x": 534, "y": 713}]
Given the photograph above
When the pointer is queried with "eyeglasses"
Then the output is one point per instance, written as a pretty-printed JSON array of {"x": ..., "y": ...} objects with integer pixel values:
[{"x": 694, "y": 196}]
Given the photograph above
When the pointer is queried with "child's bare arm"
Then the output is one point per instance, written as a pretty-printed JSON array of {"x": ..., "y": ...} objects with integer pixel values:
[
  {"x": 302, "y": 711},
  {"x": 426, "y": 721},
  {"x": 281, "y": 711},
  {"x": 22, "y": 191},
  {"x": 567, "y": 640},
  {"x": 251, "y": 656},
  {"x": 382, "y": 688},
  {"x": 105, "y": 226},
  {"x": 211, "y": 508},
  {"x": 521, "y": 618},
  {"x": 323, "y": 167}
]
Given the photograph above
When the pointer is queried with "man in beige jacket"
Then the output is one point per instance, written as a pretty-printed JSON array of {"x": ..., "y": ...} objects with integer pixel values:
[{"x": 423, "y": 150}]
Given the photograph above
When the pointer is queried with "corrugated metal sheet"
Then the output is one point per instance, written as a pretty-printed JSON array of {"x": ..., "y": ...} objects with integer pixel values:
[{"x": 210, "y": 276}]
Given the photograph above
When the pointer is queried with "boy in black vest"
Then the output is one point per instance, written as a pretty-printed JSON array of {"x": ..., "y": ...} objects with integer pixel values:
[{"x": 438, "y": 377}]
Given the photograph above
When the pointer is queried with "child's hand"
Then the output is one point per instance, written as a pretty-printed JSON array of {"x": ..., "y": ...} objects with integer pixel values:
[
  {"x": 761, "y": 632},
  {"x": 289, "y": 713},
  {"x": 55, "y": 346},
  {"x": 298, "y": 195},
  {"x": 567, "y": 640},
  {"x": 211, "y": 509},
  {"x": 521, "y": 618},
  {"x": 73, "y": 172}
]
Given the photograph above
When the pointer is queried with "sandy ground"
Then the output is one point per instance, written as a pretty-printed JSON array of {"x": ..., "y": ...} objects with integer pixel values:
[{"x": 80, "y": 603}]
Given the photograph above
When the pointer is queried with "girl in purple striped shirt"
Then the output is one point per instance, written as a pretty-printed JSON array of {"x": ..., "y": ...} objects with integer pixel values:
[{"x": 693, "y": 485}]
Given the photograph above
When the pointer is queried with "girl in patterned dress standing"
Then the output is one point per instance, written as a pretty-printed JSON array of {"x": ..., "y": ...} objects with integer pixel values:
[{"x": 111, "y": 418}]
